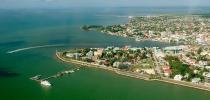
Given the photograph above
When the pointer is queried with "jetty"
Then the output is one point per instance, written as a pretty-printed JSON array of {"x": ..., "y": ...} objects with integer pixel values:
[{"x": 45, "y": 81}]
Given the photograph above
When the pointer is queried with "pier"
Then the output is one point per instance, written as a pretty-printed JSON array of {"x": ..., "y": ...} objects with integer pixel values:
[{"x": 39, "y": 78}]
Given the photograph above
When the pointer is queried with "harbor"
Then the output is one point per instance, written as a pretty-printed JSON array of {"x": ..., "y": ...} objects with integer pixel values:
[{"x": 45, "y": 81}]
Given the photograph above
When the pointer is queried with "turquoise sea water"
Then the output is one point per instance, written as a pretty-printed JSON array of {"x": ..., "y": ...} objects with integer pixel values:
[{"x": 26, "y": 28}]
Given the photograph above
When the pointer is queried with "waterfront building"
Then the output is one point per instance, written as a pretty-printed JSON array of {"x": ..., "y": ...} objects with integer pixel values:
[
  {"x": 73, "y": 55},
  {"x": 116, "y": 64},
  {"x": 89, "y": 54},
  {"x": 174, "y": 50},
  {"x": 99, "y": 52},
  {"x": 167, "y": 71},
  {"x": 196, "y": 80},
  {"x": 178, "y": 77},
  {"x": 77, "y": 55},
  {"x": 149, "y": 71},
  {"x": 207, "y": 78},
  {"x": 70, "y": 55}
]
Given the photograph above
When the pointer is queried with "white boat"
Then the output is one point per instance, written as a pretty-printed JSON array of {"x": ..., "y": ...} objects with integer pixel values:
[{"x": 45, "y": 83}]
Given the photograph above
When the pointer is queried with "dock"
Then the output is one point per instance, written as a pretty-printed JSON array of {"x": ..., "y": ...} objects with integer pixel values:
[{"x": 39, "y": 78}]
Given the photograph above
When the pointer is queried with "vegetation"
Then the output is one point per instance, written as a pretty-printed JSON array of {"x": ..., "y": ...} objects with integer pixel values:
[
  {"x": 177, "y": 66},
  {"x": 92, "y": 27},
  {"x": 183, "y": 69}
]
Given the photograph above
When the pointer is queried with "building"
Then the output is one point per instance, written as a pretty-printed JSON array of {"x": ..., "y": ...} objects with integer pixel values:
[
  {"x": 73, "y": 55},
  {"x": 89, "y": 54},
  {"x": 201, "y": 41},
  {"x": 70, "y": 55},
  {"x": 116, "y": 64},
  {"x": 207, "y": 78},
  {"x": 196, "y": 80},
  {"x": 167, "y": 71},
  {"x": 149, "y": 71},
  {"x": 98, "y": 53},
  {"x": 178, "y": 77},
  {"x": 174, "y": 49},
  {"x": 202, "y": 63}
]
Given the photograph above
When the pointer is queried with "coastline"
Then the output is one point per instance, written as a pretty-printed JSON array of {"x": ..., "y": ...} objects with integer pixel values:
[{"x": 136, "y": 75}]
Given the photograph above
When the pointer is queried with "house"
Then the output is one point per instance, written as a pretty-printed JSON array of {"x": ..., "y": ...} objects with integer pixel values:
[
  {"x": 167, "y": 71},
  {"x": 178, "y": 77}
]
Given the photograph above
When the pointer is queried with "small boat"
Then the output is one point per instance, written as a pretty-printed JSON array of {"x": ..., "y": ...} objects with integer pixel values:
[{"x": 45, "y": 83}]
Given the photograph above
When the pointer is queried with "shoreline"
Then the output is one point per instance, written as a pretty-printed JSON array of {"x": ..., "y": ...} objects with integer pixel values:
[{"x": 135, "y": 75}]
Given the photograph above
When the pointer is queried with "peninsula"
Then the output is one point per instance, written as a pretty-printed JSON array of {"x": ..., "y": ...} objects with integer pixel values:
[
  {"x": 179, "y": 30},
  {"x": 174, "y": 64},
  {"x": 186, "y": 64}
]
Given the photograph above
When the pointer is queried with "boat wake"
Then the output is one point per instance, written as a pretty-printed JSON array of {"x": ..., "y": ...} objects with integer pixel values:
[{"x": 34, "y": 47}]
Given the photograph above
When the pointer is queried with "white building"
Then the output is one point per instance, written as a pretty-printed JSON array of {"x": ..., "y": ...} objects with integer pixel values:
[
  {"x": 208, "y": 78},
  {"x": 196, "y": 80},
  {"x": 116, "y": 64},
  {"x": 70, "y": 55},
  {"x": 178, "y": 77},
  {"x": 89, "y": 54}
]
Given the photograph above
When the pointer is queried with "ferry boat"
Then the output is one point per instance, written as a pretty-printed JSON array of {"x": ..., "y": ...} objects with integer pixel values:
[{"x": 45, "y": 83}]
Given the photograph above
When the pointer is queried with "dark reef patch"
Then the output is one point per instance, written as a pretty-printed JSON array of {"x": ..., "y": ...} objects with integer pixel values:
[{"x": 6, "y": 73}]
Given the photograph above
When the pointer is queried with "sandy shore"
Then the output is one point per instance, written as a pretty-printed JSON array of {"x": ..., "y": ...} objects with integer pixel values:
[{"x": 135, "y": 75}]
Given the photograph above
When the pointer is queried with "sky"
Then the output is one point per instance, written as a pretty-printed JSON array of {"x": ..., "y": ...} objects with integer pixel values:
[{"x": 99, "y": 3}]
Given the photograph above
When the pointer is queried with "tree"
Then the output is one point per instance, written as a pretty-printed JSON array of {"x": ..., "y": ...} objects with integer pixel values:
[{"x": 200, "y": 50}]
